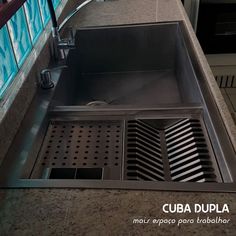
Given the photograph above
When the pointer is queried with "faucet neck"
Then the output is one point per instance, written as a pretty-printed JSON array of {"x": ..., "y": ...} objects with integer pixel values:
[{"x": 52, "y": 14}]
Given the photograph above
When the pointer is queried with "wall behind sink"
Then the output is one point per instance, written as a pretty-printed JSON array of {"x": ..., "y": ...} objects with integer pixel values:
[{"x": 12, "y": 111}]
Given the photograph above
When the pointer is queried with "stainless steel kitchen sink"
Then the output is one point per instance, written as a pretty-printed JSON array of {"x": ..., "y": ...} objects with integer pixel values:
[
  {"x": 132, "y": 110},
  {"x": 143, "y": 65}
]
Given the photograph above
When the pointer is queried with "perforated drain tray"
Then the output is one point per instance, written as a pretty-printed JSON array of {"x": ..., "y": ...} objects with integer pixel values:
[
  {"x": 82, "y": 144},
  {"x": 127, "y": 148}
]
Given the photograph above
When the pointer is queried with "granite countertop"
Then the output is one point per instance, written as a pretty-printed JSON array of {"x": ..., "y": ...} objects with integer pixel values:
[
  {"x": 111, "y": 212},
  {"x": 105, "y": 212}
]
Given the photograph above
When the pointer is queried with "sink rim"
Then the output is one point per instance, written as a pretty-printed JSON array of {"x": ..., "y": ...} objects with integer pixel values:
[{"x": 42, "y": 99}]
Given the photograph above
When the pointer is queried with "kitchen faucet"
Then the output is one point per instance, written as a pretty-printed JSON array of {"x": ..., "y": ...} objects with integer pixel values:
[
  {"x": 62, "y": 44},
  {"x": 59, "y": 44}
]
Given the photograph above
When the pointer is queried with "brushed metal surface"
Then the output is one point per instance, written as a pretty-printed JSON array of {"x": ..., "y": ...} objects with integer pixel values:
[{"x": 83, "y": 143}]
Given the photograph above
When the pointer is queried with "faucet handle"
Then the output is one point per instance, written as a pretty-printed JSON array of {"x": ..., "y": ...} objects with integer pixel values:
[
  {"x": 71, "y": 34},
  {"x": 67, "y": 43}
]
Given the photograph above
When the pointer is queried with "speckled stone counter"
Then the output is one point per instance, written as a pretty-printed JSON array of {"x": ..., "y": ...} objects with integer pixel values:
[
  {"x": 111, "y": 212},
  {"x": 105, "y": 212}
]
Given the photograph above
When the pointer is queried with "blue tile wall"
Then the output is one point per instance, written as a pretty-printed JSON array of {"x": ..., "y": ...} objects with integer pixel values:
[
  {"x": 56, "y": 3},
  {"x": 20, "y": 37},
  {"x": 44, "y": 11},
  {"x": 33, "y": 19},
  {"x": 8, "y": 67}
]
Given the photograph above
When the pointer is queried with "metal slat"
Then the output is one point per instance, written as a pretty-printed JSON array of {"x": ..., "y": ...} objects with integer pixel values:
[
  {"x": 139, "y": 156},
  {"x": 146, "y": 145},
  {"x": 146, "y": 165}
]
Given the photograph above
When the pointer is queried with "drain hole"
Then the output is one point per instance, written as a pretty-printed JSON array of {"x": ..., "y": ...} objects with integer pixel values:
[
  {"x": 89, "y": 173},
  {"x": 62, "y": 173}
]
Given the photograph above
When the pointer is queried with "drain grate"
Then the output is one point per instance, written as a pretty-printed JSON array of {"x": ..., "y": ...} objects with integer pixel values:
[{"x": 81, "y": 144}]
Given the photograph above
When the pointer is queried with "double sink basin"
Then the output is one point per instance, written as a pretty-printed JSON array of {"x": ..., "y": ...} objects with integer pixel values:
[{"x": 131, "y": 110}]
